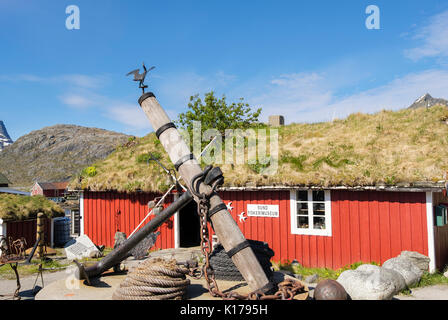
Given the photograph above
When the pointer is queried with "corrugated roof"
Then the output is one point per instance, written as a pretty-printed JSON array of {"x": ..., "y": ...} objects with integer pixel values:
[
  {"x": 53, "y": 185},
  {"x": 14, "y": 191}
]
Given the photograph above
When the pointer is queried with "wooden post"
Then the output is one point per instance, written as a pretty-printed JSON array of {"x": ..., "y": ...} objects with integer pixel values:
[
  {"x": 40, "y": 232},
  {"x": 224, "y": 225}
]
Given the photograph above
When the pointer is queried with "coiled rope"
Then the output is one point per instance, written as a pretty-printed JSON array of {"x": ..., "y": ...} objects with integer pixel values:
[{"x": 156, "y": 279}]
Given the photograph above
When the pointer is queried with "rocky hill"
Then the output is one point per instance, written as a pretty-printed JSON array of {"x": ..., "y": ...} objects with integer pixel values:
[
  {"x": 56, "y": 153},
  {"x": 427, "y": 101}
]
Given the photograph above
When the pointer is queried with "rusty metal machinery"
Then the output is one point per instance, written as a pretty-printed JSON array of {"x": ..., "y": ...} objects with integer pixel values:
[{"x": 13, "y": 252}]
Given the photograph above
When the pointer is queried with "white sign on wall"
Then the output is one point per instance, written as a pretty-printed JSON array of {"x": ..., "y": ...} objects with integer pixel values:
[{"x": 263, "y": 210}]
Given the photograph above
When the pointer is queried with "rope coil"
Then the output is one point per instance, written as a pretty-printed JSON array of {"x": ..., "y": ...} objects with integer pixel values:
[{"x": 156, "y": 279}]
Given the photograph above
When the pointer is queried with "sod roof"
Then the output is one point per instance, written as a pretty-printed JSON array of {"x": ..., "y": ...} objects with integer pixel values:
[
  {"x": 19, "y": 207},
  {"x": 389, "y": 148}
]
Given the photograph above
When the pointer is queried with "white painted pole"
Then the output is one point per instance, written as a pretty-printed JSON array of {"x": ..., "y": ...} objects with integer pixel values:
[
  {"x": 81, "y": 213},
  {"x": 430, "y": 228}
]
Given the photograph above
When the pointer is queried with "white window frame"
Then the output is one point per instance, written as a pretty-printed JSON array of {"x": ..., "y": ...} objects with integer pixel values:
[{"x": 310, "y": 230}]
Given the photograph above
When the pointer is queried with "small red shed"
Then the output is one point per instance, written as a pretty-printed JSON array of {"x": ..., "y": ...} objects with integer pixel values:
[{"x": 49, "y": 189}]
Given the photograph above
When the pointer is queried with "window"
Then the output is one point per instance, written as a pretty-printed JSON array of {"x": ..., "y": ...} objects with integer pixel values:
[{"x": 311, "y": 212}]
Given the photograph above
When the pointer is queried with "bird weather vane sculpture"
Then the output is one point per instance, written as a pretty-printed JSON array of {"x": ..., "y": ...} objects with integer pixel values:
[{"x": 140, "y": 76}]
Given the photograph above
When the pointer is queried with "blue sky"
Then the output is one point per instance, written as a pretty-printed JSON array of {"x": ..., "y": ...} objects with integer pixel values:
[{"x": 308, "y": 60}]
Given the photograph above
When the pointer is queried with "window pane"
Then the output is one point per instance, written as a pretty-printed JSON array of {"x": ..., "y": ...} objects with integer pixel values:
[
  {"x": 302, "y": 222},
  {"x": 319, "y": 222},
  {"x": 318, "y": 196},
  {"x": 302, "y": 196},
  {"x": 302, "y": 208},
  {"x": 319, "y": 209}
]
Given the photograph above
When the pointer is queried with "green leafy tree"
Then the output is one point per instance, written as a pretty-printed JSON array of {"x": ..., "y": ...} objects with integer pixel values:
[{"x": 214, "y": 113}]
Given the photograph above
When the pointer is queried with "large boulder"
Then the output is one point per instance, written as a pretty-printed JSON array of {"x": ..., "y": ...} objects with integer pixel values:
[
  {"x": 410, "y": 272},
  {"x": 370, "y": 282},
  {"x": 420, "y": 260}
]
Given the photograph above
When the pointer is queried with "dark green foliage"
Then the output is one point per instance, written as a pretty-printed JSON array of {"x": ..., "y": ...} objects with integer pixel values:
[
  {"x": 297, "y": 162},
  {"x": 214, "y": 113},
  {"x": 145, "y": 157}
]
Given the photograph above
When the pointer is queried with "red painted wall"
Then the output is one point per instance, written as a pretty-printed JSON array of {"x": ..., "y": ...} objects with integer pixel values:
[
  {"x": 27, "y": 229},
  {"x": 100, "y": 219},
  {"x": 366, "y": 225}
]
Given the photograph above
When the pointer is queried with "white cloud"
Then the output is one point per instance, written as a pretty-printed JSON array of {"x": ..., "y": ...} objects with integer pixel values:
[
  {"x": 77, "y": 101},
  {"x": 309, "y": 97},
  {"x": 75, "y": 80},
  {"x": 433, "y": 39},
  {"x": 129, "y": 114},
  {"x": 82, "y": 81}
]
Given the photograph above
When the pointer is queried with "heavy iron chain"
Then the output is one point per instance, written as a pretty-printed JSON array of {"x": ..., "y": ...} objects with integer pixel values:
[{"x": 286, "y": 289}]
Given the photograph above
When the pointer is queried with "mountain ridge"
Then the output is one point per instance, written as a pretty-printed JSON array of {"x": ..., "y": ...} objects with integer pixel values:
[{"x": 56, "y": 153}]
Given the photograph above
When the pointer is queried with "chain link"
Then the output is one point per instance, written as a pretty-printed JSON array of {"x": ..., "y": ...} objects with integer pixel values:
[{"x": 287, "y": 289}]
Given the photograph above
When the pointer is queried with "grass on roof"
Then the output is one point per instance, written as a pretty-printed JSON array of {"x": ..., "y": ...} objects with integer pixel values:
[
  {"x": 17, "y": 207},
  {"x": 388, "y": 147}
]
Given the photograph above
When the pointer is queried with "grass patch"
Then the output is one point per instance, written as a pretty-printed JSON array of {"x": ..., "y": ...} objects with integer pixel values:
[
  {"x": 323, "y": 273},
  {"x": 431, "y": 279},
  {"x": 6, "y": 271},
  {"x": 15, "y": 207}
]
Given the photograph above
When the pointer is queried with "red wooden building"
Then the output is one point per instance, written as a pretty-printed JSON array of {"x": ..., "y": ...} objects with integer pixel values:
[
  {"x": 49, "y": 189},
  {"x": 320, "y": 228}
]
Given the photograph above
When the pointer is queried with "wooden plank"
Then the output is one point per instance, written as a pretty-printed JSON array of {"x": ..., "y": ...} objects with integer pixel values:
[
  {"x": 345, "y": 229},
  {"x": 406, "y": 221},
  {"x": 354, "y": 228},
  {"x": 374, "y": 230},
  {"x": 364, "y": 227},
  {"x": 395, "y": 222},
  {"x": 384, "y": 227},
  {"x": 336, "y": 225}
]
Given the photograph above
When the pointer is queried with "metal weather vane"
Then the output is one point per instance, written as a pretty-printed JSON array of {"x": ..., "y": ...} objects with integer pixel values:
[{"x": 140, "y": 76}]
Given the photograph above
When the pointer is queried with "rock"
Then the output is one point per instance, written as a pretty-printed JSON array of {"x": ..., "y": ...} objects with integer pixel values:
[
  {"x": 119, "y": 238},
  {"x": 312, "y": 278},
  {"x": 370, "y": 282},
  {"x": 298, "y": 276},
  {"x": 330, "y": 290},
  {"x": 410, "y": 272},
  {"x": 427, "y": 101},
  {"x": 420, "y": 260}
]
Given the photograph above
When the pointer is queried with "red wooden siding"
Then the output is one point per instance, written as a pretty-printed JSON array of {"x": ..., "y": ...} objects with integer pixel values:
[
  {"x": 27, "y": 229},
  {"x": 366, "y": 226},
  {"x": 101, "y": 220}
]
